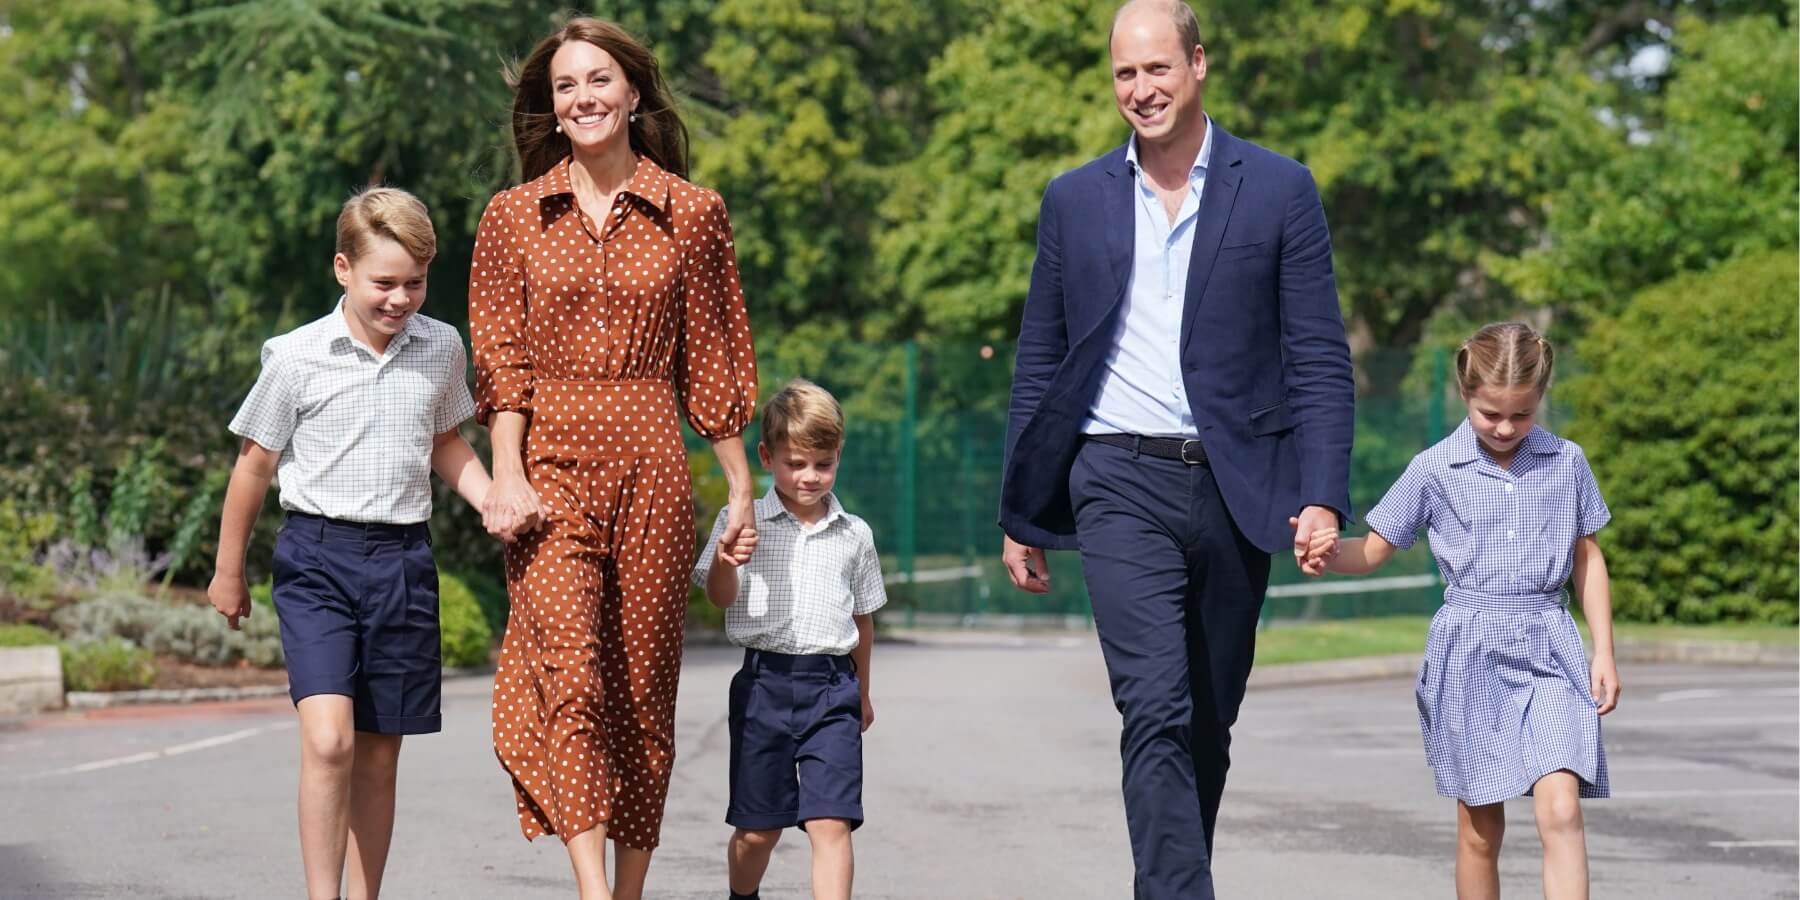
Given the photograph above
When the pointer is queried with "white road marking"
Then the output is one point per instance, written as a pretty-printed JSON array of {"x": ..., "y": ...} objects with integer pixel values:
[{"x": 149, "y": 755}]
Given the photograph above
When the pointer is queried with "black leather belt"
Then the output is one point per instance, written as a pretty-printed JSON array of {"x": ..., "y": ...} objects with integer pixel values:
[{"x": 1188, "y": 451}]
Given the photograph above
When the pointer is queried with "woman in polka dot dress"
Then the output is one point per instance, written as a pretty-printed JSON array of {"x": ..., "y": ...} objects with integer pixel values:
[{"x": 603, "y": 302}]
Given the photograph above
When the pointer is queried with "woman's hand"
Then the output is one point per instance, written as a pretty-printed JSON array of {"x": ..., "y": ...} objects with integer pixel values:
[
  {"x": 739, "y": 539},
  {"x": 511, "y": 507}
]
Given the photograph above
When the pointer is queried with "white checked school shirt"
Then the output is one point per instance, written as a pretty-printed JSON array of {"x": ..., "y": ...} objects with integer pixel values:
[
  {"x": 355, "y": 429},
  {"x": 803, "y": 583}
]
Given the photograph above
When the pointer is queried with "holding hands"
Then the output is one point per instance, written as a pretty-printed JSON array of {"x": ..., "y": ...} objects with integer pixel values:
[
  {"x": 511, "y": 508},
  {"x": 739, "y": 539},
  {"x": 1315, "y": 539}
]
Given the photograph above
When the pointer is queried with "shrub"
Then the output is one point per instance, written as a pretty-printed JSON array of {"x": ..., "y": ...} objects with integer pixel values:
[
  {"x": 1687, "y": 412},
  {"x": 113, "y": 664},
  {"x": 24, "y": 636},
  {"x": 467, "y": 639},
  {"x": 192, "y": 634},
  {"x": 490, "y": 594}
]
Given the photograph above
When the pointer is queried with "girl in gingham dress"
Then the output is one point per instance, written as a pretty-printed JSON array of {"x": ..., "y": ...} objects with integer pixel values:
[{"x": 1508, "y": 703}]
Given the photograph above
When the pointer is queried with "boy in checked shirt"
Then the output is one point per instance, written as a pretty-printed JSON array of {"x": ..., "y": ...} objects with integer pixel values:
[
  {"x": 802, "y": 606},
  {"x": 355, "y": 411}
]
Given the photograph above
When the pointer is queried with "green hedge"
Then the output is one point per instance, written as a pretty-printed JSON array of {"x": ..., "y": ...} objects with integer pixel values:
[
  {"x": 113, "y": 664},
  {"x": 1688, "y": 413},
  {"x": 467, "y": 640}
]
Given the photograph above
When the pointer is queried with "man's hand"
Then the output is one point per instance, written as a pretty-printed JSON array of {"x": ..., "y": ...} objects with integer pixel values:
[
  {"x": 1029, "y": 569},
  {"x": 1310, "y": 558}
]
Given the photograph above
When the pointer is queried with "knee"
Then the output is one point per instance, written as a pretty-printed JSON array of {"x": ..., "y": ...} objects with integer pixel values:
[
  {"x": 1482, "y": 835},
  {"x": 330, "y": 746},
  {"x": 756, "y": 841},
  {"x": 377, "y": 759},
  {"x": 1559, "y": 816},
  {"x": 828, "y": 832}
]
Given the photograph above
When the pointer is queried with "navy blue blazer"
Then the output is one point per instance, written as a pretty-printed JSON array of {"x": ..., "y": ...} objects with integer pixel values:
[{"x": 1263, "y": 354}]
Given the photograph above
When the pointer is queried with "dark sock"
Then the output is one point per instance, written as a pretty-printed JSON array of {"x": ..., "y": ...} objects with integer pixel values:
[{"x": 753, "y": 895}]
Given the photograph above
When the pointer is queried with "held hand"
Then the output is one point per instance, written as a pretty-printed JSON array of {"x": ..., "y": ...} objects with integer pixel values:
[
  {"x": 1605, "y": 676},
  {"x": 1320, "y": 550},
  {"x": 1310, "y": 520},
  {"x": 1029, "y": 569},
  {"x": 868, "y": 714},
  {"x": 511, "y": 508},
  {"x": 231, "y": 597},
  {"x": 738, "y": 541}
]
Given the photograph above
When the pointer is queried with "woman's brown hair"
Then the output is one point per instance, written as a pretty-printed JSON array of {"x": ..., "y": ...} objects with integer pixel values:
[
  {"x": 1504, "y": 355},
  {"x": 658, "y": 132}
]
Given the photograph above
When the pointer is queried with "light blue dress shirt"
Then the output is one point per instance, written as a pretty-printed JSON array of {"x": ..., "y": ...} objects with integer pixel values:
[{"x": 1141, "y": 391}]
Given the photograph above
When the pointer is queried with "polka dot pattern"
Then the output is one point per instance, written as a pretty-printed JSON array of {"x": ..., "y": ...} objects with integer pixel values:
[{"x": 603, "y": 335}]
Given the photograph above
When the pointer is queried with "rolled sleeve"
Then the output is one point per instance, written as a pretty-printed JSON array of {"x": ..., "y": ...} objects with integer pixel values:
[
  {"x": 454, "y": 404},
  {"x": 1591, "y": 513},
  {"x": 715, "y": 372},
  {"x": 868, "y": 591},
  {"x": 272, "y": 410}
]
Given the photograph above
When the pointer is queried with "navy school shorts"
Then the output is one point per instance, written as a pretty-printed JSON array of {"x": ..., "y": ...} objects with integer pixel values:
[
  {"x": 796, "y": 741},
  {"x": 358, "y": 605}
]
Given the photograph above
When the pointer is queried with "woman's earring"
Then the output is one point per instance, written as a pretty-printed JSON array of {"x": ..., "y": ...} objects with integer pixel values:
[
  {"x": 634, "y": 115},
  {"x": 559, "y": 128}
]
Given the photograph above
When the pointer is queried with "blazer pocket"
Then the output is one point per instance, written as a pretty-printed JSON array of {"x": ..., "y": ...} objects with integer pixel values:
[
  {"x": 1271, "y": 420},
  {"x": 1242, "y": 251}
]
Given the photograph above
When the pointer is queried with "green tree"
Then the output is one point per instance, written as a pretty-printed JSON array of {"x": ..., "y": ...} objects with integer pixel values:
[{"x": 1687, "y": 413}]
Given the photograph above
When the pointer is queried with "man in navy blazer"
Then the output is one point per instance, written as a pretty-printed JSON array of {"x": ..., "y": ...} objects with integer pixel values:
[{"x": 1182, "y": 408}]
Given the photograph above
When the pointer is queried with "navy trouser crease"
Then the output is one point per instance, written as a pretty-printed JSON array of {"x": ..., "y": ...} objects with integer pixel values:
[{"x": 1176, "y": 591}]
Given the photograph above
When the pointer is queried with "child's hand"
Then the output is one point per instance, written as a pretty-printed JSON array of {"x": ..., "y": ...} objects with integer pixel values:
[
  {"x": 1321, "y": 549},
  {"x": 868, "y": 712},
  {"x": 230, "y": 595},
  {"x": 1605, "y": 676},
  {"x": 737, "y": 553}
]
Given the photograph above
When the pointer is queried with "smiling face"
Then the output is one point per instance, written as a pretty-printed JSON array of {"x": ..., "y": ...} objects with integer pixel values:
[
  {"x": 1156, "y": 82},
  {"x": 383, "y": 288},
  {"x": 592, "y": 98},
  {"x": 1502, "y": 417}
]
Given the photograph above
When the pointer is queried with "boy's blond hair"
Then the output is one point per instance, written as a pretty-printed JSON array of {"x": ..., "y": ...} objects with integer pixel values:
[
  {"x": 385, "y": 212},
  {"x": 803, "y": 416}
]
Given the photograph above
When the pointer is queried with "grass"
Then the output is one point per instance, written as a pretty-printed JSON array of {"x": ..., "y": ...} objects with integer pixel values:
[{"x": 1284, "y": 642}]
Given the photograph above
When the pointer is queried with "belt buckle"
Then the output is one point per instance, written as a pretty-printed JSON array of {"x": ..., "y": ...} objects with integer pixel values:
[{"x": 1199, "y": 458}]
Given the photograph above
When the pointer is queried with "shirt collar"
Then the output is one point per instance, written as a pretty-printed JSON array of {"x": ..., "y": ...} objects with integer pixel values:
[
  {"x": 650, "y": 183},
  {"x": 337, "y": 331},
  {"x": 769, "y": 507},
  {"x": 1201, "y": 161},
  {"x": 1466, "y": 446}
]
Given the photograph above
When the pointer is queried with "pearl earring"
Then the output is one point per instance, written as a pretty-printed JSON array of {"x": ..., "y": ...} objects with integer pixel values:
[
  {"x": 634, "y": 115},
  {"x": 559, "y": 128}
]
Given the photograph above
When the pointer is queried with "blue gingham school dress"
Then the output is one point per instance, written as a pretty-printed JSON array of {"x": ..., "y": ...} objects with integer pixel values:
[{"x": 1503, "y": 692}]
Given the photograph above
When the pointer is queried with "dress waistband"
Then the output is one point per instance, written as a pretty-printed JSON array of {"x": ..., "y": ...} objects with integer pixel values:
[{"x": 1507, "y": 603}]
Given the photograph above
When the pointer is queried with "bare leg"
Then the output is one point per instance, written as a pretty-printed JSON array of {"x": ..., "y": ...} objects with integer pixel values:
[
  {"x": 630, "y": 867},
  {"x": 1478, "y": 833},
  {"x": 833, "y": 864},
  {"x": 1557, "y": 800},
  {"x": 747, "y": 858},
  {"x": 371, "y": 813},
  {"x": 587, "y": 853},
  {"x": 327, "y": 755}
]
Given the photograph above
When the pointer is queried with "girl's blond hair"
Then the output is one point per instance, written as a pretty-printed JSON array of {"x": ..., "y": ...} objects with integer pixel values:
[
  {"x": 385, "y": 212},
  {"x": 803, "y": 416},
  {"x": 1504, "y": 355}
]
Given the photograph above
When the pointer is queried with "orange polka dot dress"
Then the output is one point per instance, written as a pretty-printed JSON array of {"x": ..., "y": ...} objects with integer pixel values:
[{"x": 602, "y": 333}]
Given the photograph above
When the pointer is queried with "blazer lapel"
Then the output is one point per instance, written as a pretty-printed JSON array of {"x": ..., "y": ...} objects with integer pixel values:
[
  {"x": 1121, "y": 222},
  {"x": 1216, "y": 202}
]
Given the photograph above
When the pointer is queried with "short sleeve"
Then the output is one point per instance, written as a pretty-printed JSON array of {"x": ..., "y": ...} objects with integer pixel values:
[
  {"x": 715, "y": 372},
  {"x": 1405, "y": 509},
  {"x": 272, "y": 409},
  {"x": 454, "y": 405},
  {"x": 710, "y": 549},
  {"x": 868, "y": 592},
  {"x": 1591, "y": 513},
  {"x": 497, "y": 304}
]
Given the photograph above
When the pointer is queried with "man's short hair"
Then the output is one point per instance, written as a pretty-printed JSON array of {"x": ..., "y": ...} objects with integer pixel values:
[{"x": 1186, "y": 23}]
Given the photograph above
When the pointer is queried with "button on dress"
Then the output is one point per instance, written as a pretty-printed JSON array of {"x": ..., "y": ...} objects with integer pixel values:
[{"x": 603, "y": 334}]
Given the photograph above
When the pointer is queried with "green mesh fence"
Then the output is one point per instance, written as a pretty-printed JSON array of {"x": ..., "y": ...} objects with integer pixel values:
[{"x": 922, "y": 460}]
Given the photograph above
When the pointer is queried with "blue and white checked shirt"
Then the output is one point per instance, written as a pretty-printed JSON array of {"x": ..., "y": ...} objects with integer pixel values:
[
  {"x": 1141, "y": 391},
  {"x": 1496, "y": 531},
  {"x": 805, "y": 584}
]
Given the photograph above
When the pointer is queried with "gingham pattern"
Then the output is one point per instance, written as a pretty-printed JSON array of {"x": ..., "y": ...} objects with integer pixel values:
[
  {"x": 355, "y": 430},
  {"x": 803, "y": 583},
  {"x": 1503, "y": 692}
]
